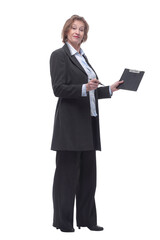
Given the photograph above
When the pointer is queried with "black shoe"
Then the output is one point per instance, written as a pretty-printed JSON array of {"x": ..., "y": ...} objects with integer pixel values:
[
  {"x": 66, "y": 229},
  {"x": 95, "y": 228}
]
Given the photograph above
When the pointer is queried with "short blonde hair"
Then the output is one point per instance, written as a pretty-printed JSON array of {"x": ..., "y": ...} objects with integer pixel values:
[{"x": 68, "y": 25}]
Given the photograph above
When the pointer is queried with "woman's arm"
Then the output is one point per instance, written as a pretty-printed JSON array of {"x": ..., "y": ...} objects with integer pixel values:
[
  {"x": 58, "y": 72},
  {"x": 102, "y": 92}
]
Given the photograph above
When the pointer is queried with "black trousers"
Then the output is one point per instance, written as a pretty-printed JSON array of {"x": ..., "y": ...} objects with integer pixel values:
[{"x": 75, "y": 177}]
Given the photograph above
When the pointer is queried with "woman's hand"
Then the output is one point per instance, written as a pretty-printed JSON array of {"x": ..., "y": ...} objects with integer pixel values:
[
  {"x": 92, "y": 85},
  {"x": 115, "y": 85}
]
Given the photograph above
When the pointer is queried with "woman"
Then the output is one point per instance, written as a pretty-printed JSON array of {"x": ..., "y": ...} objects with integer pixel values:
[{"x": 76, "y": 135}]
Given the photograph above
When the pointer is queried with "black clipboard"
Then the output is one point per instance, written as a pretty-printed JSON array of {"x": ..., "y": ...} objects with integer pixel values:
[{"x": 131, "y": 78}]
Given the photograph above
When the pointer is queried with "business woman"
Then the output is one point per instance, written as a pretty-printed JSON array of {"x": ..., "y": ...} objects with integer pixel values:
[{"x": 76, "y": 134}]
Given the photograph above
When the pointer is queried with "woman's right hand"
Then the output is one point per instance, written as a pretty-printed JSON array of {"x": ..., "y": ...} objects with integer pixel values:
[{"x": 92, "y": 85}]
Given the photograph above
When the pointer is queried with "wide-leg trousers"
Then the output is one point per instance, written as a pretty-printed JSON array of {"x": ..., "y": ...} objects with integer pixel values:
[{"x": 75, "y": 178}]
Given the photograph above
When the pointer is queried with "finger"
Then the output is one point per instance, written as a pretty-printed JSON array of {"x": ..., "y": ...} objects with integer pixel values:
[
  {"x": 94, "y": 81},
  {"x": 94, "y": 84},
  {"x": 93, "y": 88}
]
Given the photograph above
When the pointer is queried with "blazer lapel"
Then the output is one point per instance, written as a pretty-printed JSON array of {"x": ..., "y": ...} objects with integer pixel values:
[
  {"x": 90, "y": 64},
  {"x": 73, "y": 59}
]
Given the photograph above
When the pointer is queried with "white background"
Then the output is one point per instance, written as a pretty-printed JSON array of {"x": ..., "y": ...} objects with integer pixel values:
[{"x": 123, "y": 34}]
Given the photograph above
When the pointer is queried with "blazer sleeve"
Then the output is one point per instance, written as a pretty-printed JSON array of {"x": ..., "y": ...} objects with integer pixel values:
[
  {"x": 103, "y": 92},
  {"x": 58, "y": 71}
]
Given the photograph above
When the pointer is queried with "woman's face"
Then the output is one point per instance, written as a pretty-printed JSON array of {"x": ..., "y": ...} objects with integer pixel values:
[{"x": 76, "y": 33}]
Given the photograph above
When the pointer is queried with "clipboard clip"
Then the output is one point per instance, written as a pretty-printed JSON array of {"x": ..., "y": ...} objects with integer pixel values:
[{"x": 134, "y": 71}]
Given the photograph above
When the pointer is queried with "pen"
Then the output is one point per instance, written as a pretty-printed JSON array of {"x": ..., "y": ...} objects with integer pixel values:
[{"x": 99, "y": 82}]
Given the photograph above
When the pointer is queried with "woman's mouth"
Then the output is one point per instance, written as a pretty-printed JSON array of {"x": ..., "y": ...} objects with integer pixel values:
[{"x": 76, "y": 36}]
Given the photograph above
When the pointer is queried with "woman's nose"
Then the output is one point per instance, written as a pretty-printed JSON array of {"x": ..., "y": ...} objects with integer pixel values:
[{"x": 77, "y": 31}]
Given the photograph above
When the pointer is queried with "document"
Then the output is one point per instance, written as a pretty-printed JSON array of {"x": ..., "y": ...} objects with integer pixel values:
[{"x": 131, "y": 78}]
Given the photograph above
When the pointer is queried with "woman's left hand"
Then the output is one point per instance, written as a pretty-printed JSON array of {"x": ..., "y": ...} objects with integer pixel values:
[{"x": 115, "y": 85}]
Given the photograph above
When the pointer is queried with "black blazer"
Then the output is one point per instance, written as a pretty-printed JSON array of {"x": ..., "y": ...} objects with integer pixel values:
[{"x": 72, "y": 124}]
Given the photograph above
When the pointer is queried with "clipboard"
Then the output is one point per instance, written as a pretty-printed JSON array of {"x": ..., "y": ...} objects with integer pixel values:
[{"x": 131, "y": 78}]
